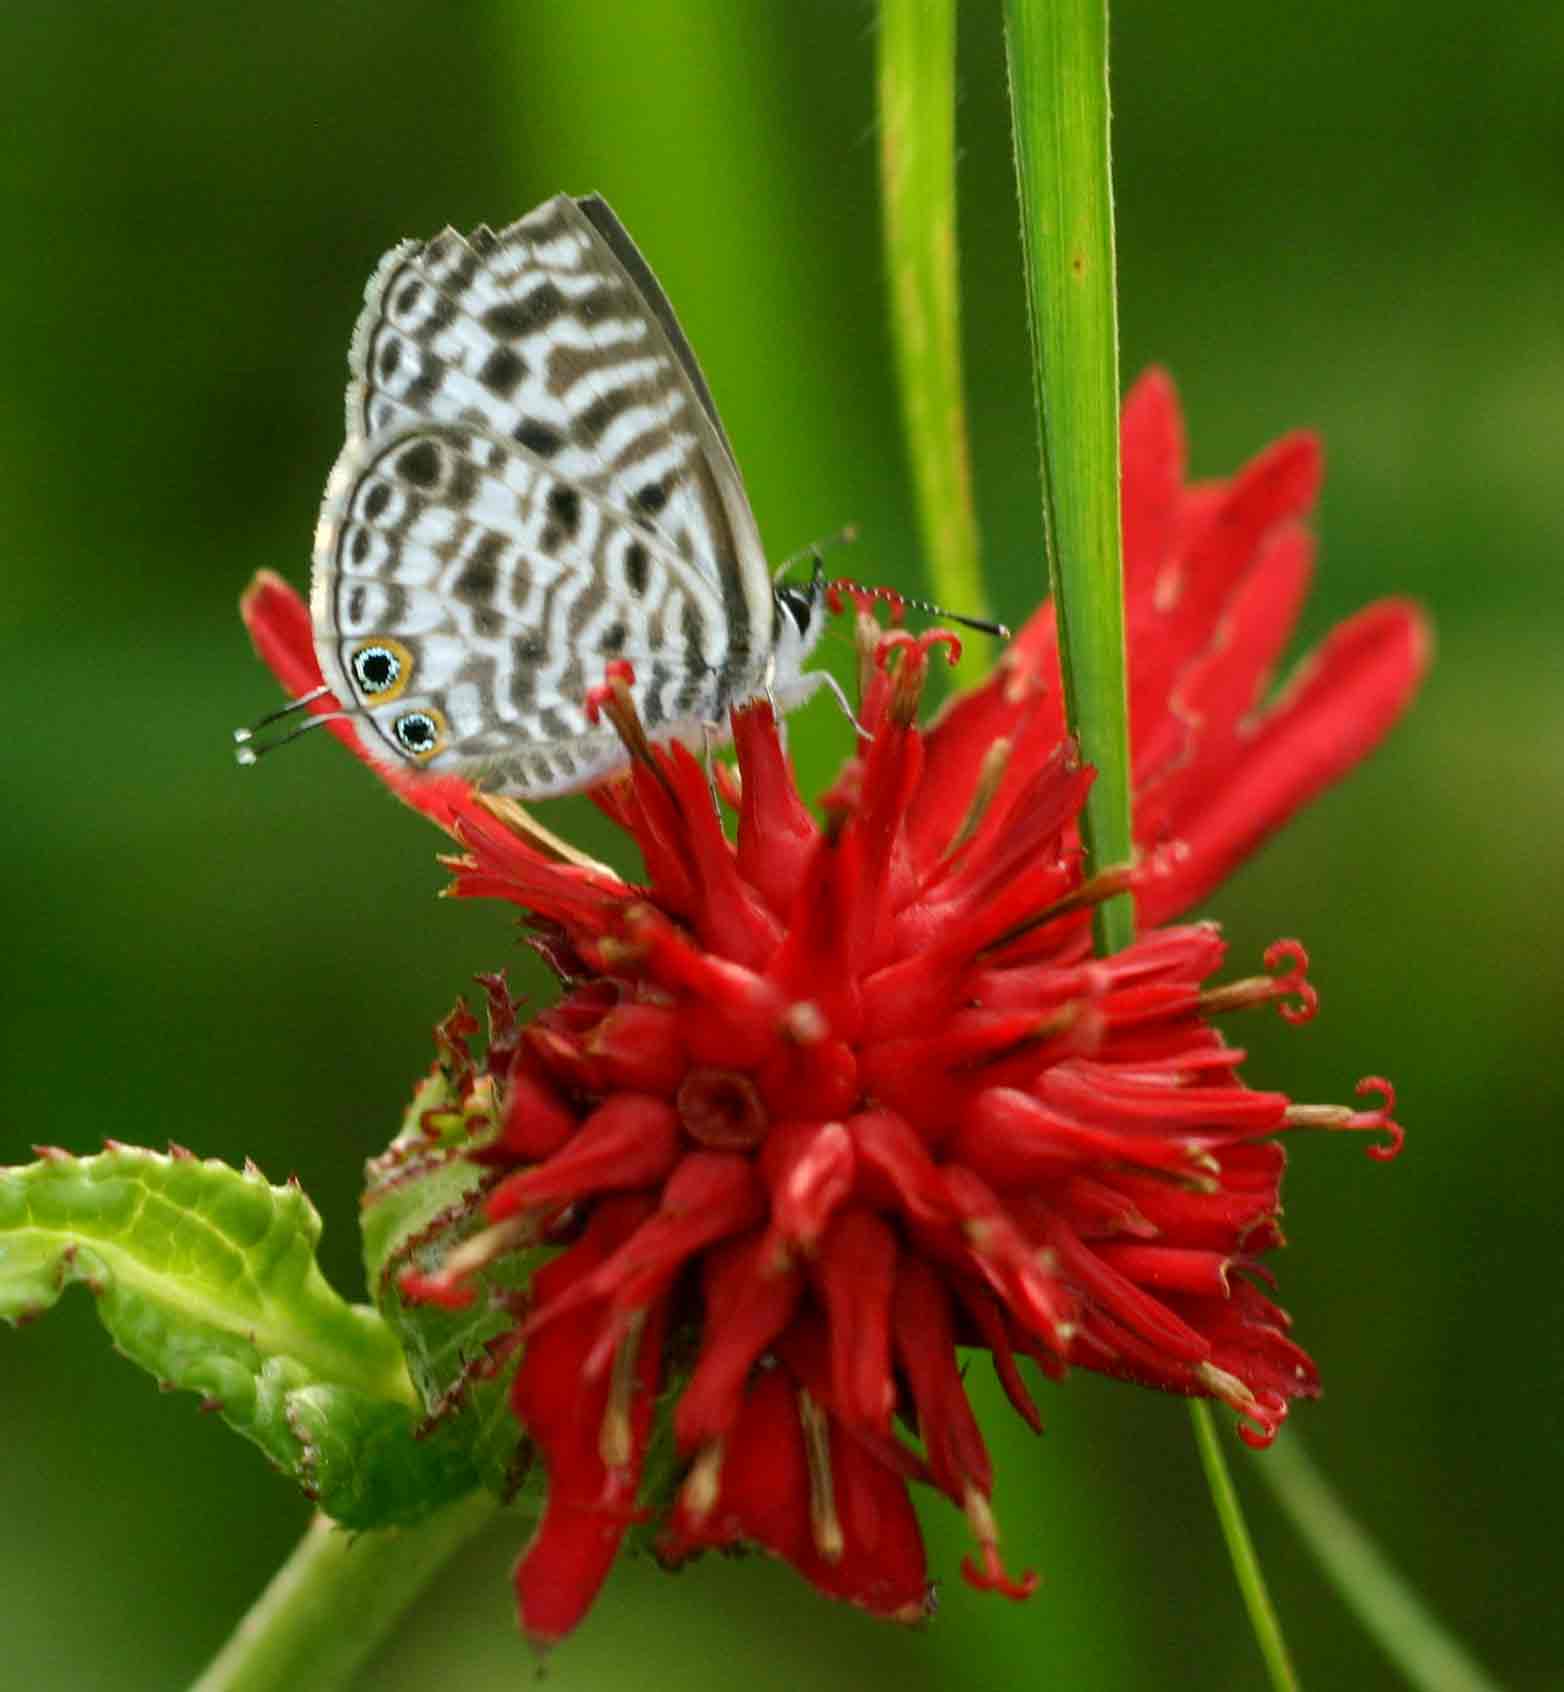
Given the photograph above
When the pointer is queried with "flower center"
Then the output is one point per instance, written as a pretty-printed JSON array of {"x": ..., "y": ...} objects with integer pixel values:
[{"x": 721, "y": 1109}]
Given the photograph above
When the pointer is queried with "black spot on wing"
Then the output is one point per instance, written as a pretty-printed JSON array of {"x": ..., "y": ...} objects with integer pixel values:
[
  {"x": 538, "y": 437},
  {"x": 516, "y": 318},
  {"x": 420, "y": 464},
  {"x": 503, "y": 372},
  {"x": 564, "y": 506},
  {"x": 637, "y": 568},
  {"x": 376, "y": 500},
  {"x": 478, "y": 581}
]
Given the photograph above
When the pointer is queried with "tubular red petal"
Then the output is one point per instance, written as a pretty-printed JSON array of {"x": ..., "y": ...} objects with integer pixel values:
[
  {"x": 853, "y": 1274},
  {"x": 590, "y": 1504},
  {"x": 749, "y": 1301},
  {"x": 631, "y": 1141},
  {"x": 809, "y": 1168},
  {"x": 926, "y": 1350},
  {"x": 1024, "y": 1278},
  {"x": 802, "y": 1078},
  {"x": 535, "y": 1124},
  {"x": 729, "y": 915},
  {"x": 638, "y": 1047},
  {"x": 711, "y": 1196},
  {"x": 895, "y": 1170},
  {"x": 1105, "y": 1286},
  {"x": 776, "y": 832}
]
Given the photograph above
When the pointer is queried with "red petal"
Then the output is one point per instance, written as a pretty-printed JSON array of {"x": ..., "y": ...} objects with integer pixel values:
[
  {"x": 1151, "y": 452},
  {"x": 1338, "y": 706},
  {"x": 853, "y": 1275},
  {"x": 589, "y": 1504},
  {"x": 279, "y": 625}
]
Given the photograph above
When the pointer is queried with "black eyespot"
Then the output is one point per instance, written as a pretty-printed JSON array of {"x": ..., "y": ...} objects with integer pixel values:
[
  {"x": 376, "y": 668},
  {"x": 799, "y": 604},
  {"x": 416, "y": 732}
]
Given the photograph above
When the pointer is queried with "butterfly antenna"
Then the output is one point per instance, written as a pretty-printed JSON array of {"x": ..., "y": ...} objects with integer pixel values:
[
  {"x": 241, "y": 735},
  {"x": 844, "y": 536},
  {"x": 901, "y": 602},
  {"x": 247, "y": 752}
]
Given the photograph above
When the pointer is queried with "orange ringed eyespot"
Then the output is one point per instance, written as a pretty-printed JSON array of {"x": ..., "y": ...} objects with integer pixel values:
[
  {"x": 420, "y": 733},
  {"x": 381, "y": 669}
]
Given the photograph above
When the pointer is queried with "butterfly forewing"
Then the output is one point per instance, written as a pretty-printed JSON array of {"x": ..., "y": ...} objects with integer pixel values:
[{"x": 534, "y": 482}]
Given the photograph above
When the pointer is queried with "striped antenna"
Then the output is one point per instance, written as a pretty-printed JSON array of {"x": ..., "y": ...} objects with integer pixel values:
[{"x": 899, "y": 602}]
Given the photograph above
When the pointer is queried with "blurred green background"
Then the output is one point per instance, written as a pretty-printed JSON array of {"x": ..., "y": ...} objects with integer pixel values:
[{"x": 1344, "y": 217}]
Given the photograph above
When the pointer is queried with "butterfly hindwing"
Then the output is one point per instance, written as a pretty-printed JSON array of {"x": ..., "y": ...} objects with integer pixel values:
[{"x": 505, "y": 592}]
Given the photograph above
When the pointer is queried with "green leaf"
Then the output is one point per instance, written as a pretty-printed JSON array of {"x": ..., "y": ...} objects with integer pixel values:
[
  {"x": 425, "y": 1197},
  {"x": 206, "y": 1277}
]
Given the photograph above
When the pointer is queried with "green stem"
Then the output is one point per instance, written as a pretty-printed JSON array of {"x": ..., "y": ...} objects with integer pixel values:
[
  {"x": 1428, "y": 1656},
  {"x": 335, "y": 1599},
  {"x": 1058, "y": 59},
  {"x": 917, "y": 109},
  {"x": 1240, "y": 1548}
]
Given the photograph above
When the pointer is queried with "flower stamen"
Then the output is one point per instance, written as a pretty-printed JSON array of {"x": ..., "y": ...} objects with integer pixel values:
[
  {"x": 615, "y": 1443},
  {"x": 1268, "y": 989},
  {"x": 991, "y": 1575},
  {"x": 824, "y": 1523},
  {"x": 1337, "y": 1119}
]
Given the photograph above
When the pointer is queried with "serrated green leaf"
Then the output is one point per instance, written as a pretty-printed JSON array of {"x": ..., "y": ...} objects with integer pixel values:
[{"x": 206, "y": 1277}]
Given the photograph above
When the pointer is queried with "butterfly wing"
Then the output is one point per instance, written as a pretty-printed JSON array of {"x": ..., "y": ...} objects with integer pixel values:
[
  {"x": 473, "y": 597},
  {"x": 552, "y": 345}
]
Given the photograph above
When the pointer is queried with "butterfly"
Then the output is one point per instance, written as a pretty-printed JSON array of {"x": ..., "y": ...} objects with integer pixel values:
[{"x": 535, "y": 483}]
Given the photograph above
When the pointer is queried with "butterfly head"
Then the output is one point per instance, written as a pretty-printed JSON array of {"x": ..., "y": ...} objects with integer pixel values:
[{"x": 801, "y": 614}]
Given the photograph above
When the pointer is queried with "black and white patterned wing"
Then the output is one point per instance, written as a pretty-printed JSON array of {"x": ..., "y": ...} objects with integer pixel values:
[
  {"x": 465, "y": 599},
  {"x": 554, "y": 335}
]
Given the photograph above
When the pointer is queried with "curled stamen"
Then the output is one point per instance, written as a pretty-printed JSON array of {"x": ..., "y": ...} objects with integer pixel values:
[
  {"x": 990, "y": 1575},
  {"x": 893, "y": 639},
  {"x": 1338, "y": 1119},
  {"x": 1263, "y": 989},
  {"x": 1294, "y": 981}
]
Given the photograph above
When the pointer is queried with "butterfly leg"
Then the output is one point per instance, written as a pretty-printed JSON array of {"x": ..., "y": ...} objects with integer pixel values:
[{"x": 804, "y": 688}]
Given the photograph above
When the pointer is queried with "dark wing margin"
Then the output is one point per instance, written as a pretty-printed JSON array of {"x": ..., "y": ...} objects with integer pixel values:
[{"x": 600, "y": 215}]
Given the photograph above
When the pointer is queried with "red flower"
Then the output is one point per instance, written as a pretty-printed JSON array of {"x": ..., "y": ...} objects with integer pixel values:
[{"x": 821, "y": 1104}]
